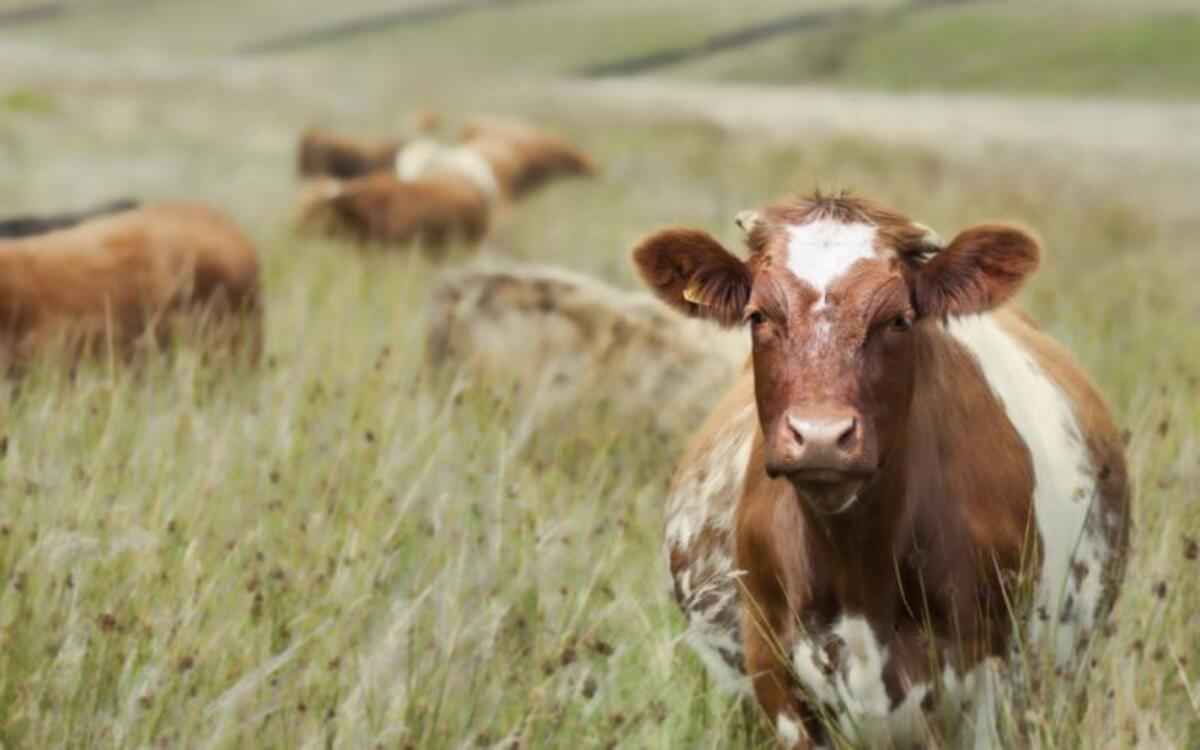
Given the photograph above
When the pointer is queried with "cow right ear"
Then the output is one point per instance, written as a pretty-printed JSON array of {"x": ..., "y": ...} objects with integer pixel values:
[{"x": 693, "y": 273}]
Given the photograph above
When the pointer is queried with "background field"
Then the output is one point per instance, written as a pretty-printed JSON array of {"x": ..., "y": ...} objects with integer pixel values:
[{"x": 341, "y": 548}]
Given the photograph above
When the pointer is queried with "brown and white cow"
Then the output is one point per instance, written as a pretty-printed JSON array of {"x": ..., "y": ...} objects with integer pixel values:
[
  {"x": 441, "y": 192},
  {"x": 910, "y": 477},
  {"x": 112, "y": 280}
]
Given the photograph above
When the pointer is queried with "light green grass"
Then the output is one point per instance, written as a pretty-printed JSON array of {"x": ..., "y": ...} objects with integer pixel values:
[
  {"x": 340, "y": 548},
  {"x": 1072, "y": 47}
]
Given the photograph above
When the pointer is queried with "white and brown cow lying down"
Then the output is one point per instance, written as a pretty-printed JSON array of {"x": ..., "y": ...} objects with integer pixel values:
[
  {"x": 442, "y": 193},
  {"x": 114, "y": 280},
  {"x": 910, "y": 475},
  {"x": 566, "y": 336},
  {"x": 28, "y": 225}
]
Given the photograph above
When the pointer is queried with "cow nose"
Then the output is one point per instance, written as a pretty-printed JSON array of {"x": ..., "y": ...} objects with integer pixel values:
[{"x": 824, "y": 439}]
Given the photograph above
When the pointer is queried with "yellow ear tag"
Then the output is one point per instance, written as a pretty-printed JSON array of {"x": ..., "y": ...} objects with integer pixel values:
[{"x": 692, "y": 294}]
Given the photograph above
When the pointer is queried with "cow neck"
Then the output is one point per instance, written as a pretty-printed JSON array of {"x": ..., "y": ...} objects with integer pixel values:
[{"x": 860, "y": 546}]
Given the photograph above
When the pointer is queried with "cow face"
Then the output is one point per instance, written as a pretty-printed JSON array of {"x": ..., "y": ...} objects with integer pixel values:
[{"x": 834, "y": 293}]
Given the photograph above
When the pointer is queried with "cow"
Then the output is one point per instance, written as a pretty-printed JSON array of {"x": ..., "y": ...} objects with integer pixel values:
[
  {"x": 909, "y": 481},
  {"x": 441, "y": 192},
  {"x": 323, "y": 154},
  {"x": 114, "y": 280},
  {"x": 567, "y": 336},
  {"x": 25, "y": 226}
]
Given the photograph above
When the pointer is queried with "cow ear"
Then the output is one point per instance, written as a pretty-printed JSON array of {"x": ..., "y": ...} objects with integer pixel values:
[
  {"x": 694, "y": 274},
  {"x": 980, "y": 269}
]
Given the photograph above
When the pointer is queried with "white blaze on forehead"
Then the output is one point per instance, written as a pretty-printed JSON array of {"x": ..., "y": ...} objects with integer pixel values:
[{"x": 821, "y": 251}]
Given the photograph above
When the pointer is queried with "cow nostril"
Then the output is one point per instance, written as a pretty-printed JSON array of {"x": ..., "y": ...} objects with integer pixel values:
[
  {"x": 847, "y": 437},
  {"x": 797, "y": 433}
]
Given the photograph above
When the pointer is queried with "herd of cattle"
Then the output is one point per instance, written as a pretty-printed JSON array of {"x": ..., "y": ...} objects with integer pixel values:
[{"x": 906, "y": 496}]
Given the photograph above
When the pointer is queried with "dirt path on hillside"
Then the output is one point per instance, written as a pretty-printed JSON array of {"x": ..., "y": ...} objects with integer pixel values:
[{"x": 1160, "y": 132}]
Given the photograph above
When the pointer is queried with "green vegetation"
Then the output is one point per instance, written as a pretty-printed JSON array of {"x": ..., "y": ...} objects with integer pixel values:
[
  {"x": 340, "y": 547},
  {"x": 1057, "y": 48},
  {"x": 24, "y": 100}
]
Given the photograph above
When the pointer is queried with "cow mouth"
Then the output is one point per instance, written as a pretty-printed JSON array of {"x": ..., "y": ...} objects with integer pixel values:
[
  {"x": 826, "y": 476},
  {"x": 828, "y": 491}
]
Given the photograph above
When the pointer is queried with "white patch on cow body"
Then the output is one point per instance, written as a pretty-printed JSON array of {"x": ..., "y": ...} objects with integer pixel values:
[
  {"x": 698, "y": 498},
  {"x": 703, "y": 643},
  {"x": 424, "y": 155},
  {"x": 703, "y": 496},
  {"x": 863, "y": 691},
  {"x": 416, "y": 157},
  {"x": 788, "y": 730},
  {"x": 1065, "y": 487},
  {"x": 821, "y": 251},
  {"x": 854, "y": 688}
]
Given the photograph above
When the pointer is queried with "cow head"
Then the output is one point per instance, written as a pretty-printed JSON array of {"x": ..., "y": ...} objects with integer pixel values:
[{"x": 834, "y": 292}]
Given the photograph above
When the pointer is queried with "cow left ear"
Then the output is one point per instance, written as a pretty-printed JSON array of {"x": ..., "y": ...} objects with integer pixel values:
[
  {"x": 693, "y": 273},
  {"x": 980, "y": 269}
]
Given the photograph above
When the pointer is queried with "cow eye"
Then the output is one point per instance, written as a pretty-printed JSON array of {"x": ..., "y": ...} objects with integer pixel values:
[
  {"x": 755, "y": 318},
  {"x": 900, "y": 323}
]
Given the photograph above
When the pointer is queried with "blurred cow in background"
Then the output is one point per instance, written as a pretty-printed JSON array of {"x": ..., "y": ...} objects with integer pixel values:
[
  {"x": 440, "y": 193},
  {"x": 568, "y": 338},
  {"x": 109, "y": 282}
]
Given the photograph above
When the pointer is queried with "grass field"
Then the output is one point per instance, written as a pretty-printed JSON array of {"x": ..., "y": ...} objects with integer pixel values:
[{"x": 341, "y": 548}]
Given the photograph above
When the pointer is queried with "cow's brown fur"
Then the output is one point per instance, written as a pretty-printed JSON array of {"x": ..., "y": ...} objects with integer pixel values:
[
  {"x": 116, "y": 279},
  {"x": 322, "y": 154},
  {"x": 437, "y": 207}
]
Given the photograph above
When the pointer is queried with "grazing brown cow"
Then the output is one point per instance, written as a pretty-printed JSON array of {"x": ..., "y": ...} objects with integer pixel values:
[
  {"x": 566, "y": 337},
  {"x": 443, "y": 192},
  {"x": 912, "y": 477},
  {"x": 114, "y": 279}
]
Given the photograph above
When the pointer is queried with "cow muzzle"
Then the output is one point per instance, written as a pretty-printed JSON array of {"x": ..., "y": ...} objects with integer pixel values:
[{"x": 823, "y": 451}]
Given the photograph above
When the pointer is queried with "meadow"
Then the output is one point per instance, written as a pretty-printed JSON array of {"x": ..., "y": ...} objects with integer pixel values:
[{"x": 340, "y": 547}]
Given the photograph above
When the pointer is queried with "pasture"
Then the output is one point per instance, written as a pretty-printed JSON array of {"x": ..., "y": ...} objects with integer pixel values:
[{"x": 343, "y": 548}]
